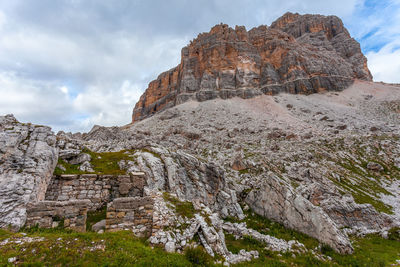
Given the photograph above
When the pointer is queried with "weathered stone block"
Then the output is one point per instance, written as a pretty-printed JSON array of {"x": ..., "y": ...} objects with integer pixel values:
[
  {"x": 88, "y": 176},
  {"x": 69, "y": 176},
  {"x": 126, "y": 214},
  {"x": 125, "y": 187},
  {"x": 72, "y": 212}
]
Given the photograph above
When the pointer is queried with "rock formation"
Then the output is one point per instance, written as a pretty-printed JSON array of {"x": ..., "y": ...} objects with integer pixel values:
[
  {"x": 27, "y": 160},
  {"x": 188, "y": 178},
  {"x": 296, "y": 54},
  {"x": 277, "y": 200}
]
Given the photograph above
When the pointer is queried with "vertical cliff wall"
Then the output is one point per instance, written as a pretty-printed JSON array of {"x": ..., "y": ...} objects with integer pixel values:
[{"x": 296, "y": 54}]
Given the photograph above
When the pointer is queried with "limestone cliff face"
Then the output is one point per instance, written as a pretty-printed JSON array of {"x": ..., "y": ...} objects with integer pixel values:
[
  {"x": 296, "y": 54},
  {"x": 28, "y": 157}
]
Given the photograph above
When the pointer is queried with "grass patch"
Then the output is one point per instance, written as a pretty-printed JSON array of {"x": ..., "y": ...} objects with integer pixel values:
[
  {"x": 4, "y": 234},
  {"x": 63, "y": 248},
  {"x": 198, "y": 256},
  {"x": 371, "y": 250},
  {"x": 394, "y": 234},
  {"x": 102, "y": 163},
  {"x": 372, "y": 186},
  {"x": 360, "y": 197},
  {"x": 244, "y": 171},
  {"x": 268, "y": 257},
  {"x": 69, "y": 168},
  {"x": 107, "y": 162},
  {"x": 268, "y": 227},
  {"x": 247, "y": 242},
  {"x": 183, "y": 208},
  {"x": 364, "y": 184}
]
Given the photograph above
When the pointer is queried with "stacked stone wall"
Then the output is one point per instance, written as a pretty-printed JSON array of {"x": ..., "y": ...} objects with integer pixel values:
[
  {"x": 98, "y": 189},
  {"x": 50, "y": 214},
  {"x": 69, "y": 197},
  {"x": 131, "y": 213}
]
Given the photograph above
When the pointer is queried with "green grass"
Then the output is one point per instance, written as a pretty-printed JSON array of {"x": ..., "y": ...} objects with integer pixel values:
[
  {"x": 248, "y": 243},
  {"x": 65, "y": 248},
  {"x": 371, "y": 250},
  {"x": 351, "y": 165},
  {"x": 268, "y": 227},
  {"x": 107, "y": 162},
  {"x": 359, "y": 173},
  {"x": 268, "y": 257},
  {"x": 244, "y": 171},
  {"x": 69, "y": 168},
  {"x": 102, "y": 163},
  {"x": 198, "y": 256},
  {"x": 394, "y": 234},
  {"x": 361, "y": 197},
  {"x": 183, "y": 208},
  {"x": 5, "y": 234}
]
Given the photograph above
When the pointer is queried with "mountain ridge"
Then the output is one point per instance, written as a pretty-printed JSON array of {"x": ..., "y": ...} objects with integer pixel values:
[{"x": 296, "y": 54}]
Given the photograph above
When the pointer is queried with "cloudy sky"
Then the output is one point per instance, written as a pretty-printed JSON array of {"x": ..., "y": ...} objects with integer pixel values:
[{"x": 72, "y": 64}]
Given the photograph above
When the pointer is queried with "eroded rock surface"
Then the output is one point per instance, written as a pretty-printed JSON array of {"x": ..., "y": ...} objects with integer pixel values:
[
  {"x": 296, "y": 54},
  {"x": 28, "y": 157},
  {"x": 276, "y": 200},
  {"x": 320, "y": 144},
  {"x": 187, "y": 177}
]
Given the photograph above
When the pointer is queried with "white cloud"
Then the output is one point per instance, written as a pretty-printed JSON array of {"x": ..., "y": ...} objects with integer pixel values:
[
  {"x": 385, "y": 64},
  {"x": 82, "y": 81},
  {"x": 64, "y": 89},
  {"x": 380, "y": 38},
  {"x": 110, "y": 108},
  {"x": 32, "y": 100},
  {"x": 40, "y": 102}
]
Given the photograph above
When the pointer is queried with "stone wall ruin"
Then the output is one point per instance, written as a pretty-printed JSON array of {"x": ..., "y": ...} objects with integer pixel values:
[
  {"x": 99, "y": 189},
  {"x": 50, "y": 214},
  {"x": 131, "y": 213},
  {"x": 69, "y": 197}
]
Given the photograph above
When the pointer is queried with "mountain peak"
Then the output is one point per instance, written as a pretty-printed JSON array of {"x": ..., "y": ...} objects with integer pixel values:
[{"x": 299, "y": 54}]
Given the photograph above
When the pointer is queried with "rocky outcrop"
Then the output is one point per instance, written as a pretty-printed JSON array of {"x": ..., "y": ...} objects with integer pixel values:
[
  {"x": 344, "y": 211},
  {"x": 28, "y": 157},
  {"x": 210, "y": 234},
  {"x": 186, "y": 177},
  {"x": 277, "y": 201},
  {"x": 325, "y": 33},
  {"x": 296, "y": 54},
  {"x": 272, "y": 243},
  {"x": 357, "y": 217}
]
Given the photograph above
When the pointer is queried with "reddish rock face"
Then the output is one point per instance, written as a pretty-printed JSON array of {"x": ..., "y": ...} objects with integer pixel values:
[{"x": 296, "y": 54}]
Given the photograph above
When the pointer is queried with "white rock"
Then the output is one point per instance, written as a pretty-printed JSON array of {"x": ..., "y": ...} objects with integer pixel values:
[
  {"x": 170, "y": 246},
  {"x": 27, "y": 164}
]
